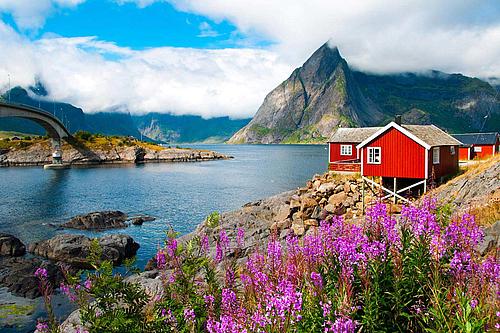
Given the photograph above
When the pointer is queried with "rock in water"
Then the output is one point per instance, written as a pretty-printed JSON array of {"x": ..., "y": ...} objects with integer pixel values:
[
  {"x": 139, "y": 220},
  {"x": 17, "y": 275},
  {"x": 11, "y": 246},
  {"x": 98, "y": 221},
  {"x": 75, "y": 249}
]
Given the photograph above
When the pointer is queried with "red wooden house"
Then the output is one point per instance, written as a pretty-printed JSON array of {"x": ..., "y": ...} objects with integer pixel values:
[
  {"x": 342, "y": 152},
  {"x": 409, "y": 155},
  {"x": 478, "y": 145}
]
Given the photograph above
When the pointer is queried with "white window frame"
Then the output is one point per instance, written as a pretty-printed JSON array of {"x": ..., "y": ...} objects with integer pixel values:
[
  {"x": 478, "y": 149},
  {"x": 452, "y": 150},
  {"x": 436, "y": 152},
  {"x": 371, "y": 153},
  {"x": 346, "y": 150}
]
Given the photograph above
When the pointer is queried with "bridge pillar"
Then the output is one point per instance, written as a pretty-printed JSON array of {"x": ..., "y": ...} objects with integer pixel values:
[
  {"x": 57, "y": 157},
  {"x": 57, "y": 152}
]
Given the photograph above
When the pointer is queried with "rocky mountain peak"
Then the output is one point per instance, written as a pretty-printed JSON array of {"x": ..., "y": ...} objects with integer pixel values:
[
  {"x": 307, "y": 107},
  {"x": 321, "y": 65}
]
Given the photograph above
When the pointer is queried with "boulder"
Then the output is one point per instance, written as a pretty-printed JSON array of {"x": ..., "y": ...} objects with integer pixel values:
[
  {"x": 338, "y": 189},
  {"x": 294, "y": 202},
  {"x": 347, "y": 187},
  {"x": 98, "y": 221},
  {"x": 337, "y": 210},
  {"x": 326, "y": 188},
  {"x": 17, "y": 275},
  {"x": 283, "y": 213},
  {"x": 298, "y": 227},
  {"x": 311, "y": 222},
  {"x": 139, "y": 220},
  {"x": 308, "y": 205},
  {"x": 75, "y": 249},
  {"x": 337, "y": 199},
  {"x": 316, "y": 212},
  {"x": 491, "y": 238},
  {"x": 11, "y": 246}
]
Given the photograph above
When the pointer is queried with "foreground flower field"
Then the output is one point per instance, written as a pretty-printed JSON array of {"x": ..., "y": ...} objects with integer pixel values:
[{"x": 417, "y": 272}]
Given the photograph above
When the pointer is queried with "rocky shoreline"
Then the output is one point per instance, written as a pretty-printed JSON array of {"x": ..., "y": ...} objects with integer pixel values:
[{"x": 40, "y": 153}]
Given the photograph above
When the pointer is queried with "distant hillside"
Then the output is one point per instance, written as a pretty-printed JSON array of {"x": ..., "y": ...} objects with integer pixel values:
[
  {"x": 161, "y": 127},
  {"x": 169, "y": 128},
  {"x": 325, "y": 93},
  {"x": 452, "y": 101}
]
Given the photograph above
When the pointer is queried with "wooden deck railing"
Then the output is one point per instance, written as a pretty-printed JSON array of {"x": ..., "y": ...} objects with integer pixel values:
[{"x": 346, "y": 166}]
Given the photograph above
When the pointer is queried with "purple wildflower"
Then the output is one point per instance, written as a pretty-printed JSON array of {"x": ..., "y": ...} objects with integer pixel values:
[
  {"x": 240, "y": 237},
  {"x": 42, "y": 327},
  {"x": 189, "y": 315},
  {"x": 41, "y": 273},
  {"x": 316, "y": 279},
  {"x": 160, "y": 259}
]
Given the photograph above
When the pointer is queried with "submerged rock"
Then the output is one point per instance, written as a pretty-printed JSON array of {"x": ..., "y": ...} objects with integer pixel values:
[
  {"x": 98, "y": 221},
  {"x": 75, "y": 249},
  {"x": 139, "y": 220},
  {"x": 11, "y": 246}
]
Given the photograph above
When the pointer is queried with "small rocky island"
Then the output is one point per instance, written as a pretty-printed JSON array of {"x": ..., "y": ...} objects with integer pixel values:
[{"x": 94, "y": 149}]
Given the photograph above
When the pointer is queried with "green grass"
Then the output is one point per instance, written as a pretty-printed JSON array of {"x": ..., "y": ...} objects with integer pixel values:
[
  {"x": 10, "y": 134},
  {"x": 7, "y": 310},
  {"x": 260, "y": 130},
  {"x": 304, "y": 135}
]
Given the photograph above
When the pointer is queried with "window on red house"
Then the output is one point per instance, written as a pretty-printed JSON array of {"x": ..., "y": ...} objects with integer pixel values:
[
  {"x": 346, "y": 150},
  {"x": 374, "y": 155}
]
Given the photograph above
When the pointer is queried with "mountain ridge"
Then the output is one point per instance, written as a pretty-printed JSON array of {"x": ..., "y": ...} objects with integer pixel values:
[
  {"x": 168, "y": 128},
  {"x": 332, "y": 95}
]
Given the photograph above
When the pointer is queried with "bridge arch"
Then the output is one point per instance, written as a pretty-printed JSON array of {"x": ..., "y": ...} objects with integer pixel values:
[{"x": 54, "y": 127}]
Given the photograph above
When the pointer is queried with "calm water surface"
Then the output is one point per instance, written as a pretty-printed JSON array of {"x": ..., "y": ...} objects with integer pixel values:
[{"x": 177, "y": 194}]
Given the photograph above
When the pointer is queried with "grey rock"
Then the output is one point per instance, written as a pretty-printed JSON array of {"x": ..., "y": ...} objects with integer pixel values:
[
  {"x": 17, "y": 274},
  {"x": 98, "y": 221},
  {"x": 75, "y": 249},
  {"x": 11, "y": 246}
]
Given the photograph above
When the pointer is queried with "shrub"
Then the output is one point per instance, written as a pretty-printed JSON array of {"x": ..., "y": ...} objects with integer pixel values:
[{"x": 83, "y": 135}]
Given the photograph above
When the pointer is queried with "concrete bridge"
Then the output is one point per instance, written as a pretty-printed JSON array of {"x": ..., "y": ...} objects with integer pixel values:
[{"x": 54, "y": 127}]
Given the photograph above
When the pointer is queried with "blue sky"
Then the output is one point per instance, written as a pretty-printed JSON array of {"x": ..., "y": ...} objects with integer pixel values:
[
  {"x": 222, "y": 57},
  {"x": 130, "y": 25}
]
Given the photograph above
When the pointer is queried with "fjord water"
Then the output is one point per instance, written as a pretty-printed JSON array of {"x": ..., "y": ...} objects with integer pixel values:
[{"x": 180, "y": 195}]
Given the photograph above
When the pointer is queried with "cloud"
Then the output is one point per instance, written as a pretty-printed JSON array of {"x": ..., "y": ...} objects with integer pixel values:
[
  {"x": 383, "y": 37},
  {"x": 98, "y": 75},
  {"x": 206, "y": 30},
  {"x": 388, "y": 36},
  {"x": 31, "y": 14}
]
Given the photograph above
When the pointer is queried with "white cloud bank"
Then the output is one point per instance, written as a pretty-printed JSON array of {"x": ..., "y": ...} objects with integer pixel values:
[
  {"x": 378, "y": 36},
  {"x": 98, "y": 75},
  {"x": 31, "y": 14}
]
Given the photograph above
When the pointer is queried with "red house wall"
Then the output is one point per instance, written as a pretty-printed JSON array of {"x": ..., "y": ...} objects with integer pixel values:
[
  {"x": 486, "y": 151},
  {"x": 401, "y": 157},
  {"x": 463, "y": 153},
  {"x": 335, "y": 151},
  {"x": 448, "y": 164}
]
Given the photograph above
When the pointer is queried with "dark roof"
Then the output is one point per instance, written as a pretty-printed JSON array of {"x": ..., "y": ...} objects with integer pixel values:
[
  {"x": 432, "y": 135},
  {"x": 354, "y": 135},
  {"x": 477, "y": 138},
  {"x": 425, "y": 135}
]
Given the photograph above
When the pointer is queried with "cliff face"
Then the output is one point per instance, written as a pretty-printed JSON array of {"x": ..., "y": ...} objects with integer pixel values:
[{"x": 317, "y": 98}]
